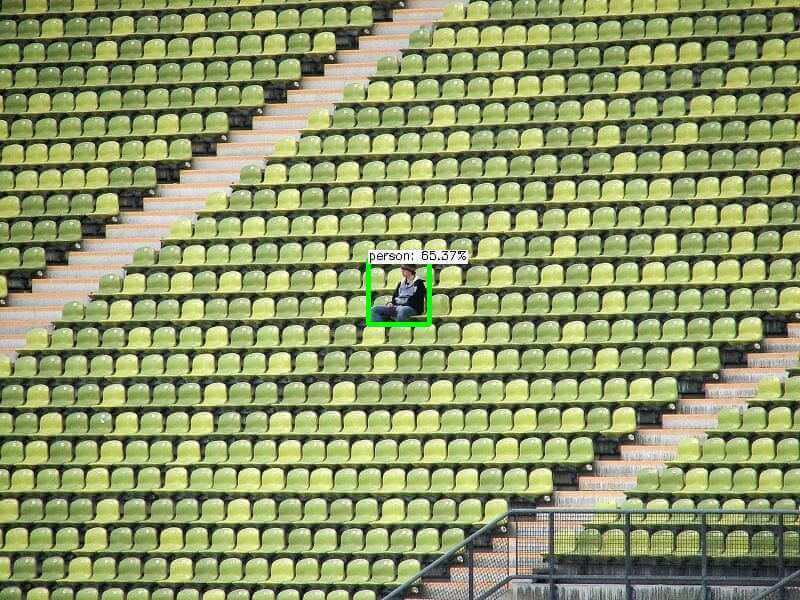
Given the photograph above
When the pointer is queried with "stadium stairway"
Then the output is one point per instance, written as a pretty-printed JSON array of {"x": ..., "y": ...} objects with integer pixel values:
[
  {"x": 609, "y": 478},
  {"x": 144, "y": 228}
]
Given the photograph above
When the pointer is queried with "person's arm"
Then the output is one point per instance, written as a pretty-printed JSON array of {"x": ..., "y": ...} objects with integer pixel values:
[
  {"x": 418, "y": 299},
  {"x": 394, "y": 295}
]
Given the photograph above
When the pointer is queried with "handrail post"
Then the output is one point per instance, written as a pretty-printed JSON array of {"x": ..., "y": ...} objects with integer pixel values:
[
  {"x": 508, "y": 546},
  {"x": 626, "y": 542},
  {"x": 704, "y": 555},
  {"x": 470, "y": 570},
  {"x": 781, "y": 562},
  {"x": 551, "y": 553}
]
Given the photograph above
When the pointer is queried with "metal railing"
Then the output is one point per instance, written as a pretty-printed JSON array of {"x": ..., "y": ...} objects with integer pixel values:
[{"x": 623, "y": 550}]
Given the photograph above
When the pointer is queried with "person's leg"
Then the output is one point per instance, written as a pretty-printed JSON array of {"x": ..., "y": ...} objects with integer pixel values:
[
  {"x": 404, "y": 313},
  {"x": 382, "y": 313}
]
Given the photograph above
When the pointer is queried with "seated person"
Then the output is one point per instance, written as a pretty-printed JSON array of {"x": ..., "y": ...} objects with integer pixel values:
[{"x": 408, "y": 299}]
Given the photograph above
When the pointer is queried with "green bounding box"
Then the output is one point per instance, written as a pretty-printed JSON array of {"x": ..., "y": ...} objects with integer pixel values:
[{"x": 428, "y": 302}]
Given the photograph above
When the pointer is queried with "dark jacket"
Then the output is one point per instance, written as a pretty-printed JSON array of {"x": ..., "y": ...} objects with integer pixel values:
[{"x": 416, "y": 300}]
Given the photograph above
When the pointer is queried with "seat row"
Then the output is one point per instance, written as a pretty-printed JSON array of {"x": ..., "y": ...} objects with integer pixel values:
[
  {"x": 298, "y": 482},
  {"x": 633, "y": 192},
  {"x": 239, "y": 71},
  {"x": 554, "y": 304},
  {"x": 550, "y": 248},
  {"x": 219, "y": 337},
  {"x": 506, "y": 451},
  {"x": 541, "y": 392},
  {"x": 35, "y": 7},
  {"x": 441, "y": 64},
  {"x": 283, "y": 423},
  {"x": 247, "y": 20},
  {"x": 720, "y": 481},
  {"x": 128, "y": 367},
  {"x": 756, "y": 102},
  {"x": 13, "y": 260},
  {"x": 178, "y": 48},
  {"x": 406, "y": 91},
  {"x": 240, "y": 310},
  {"x": 590, "y": 54},
  {"x": 684, "y": 545},
  {"x": 109, "y": 101},
  {"x": 232, "y": 511},
  {"x": 757, "y": 419},
  {"x": 770, "y": 389},
  {"x": 63, "y": 153},
  {"x": 737, "y": 450},
  {"x": 273, "y": 540},
  {"x": 606, "y": 30},
  {"x": 737, "y": 512},
  {"x": 78, "y": 179},
  {"x": 482, "y": 10},
  {"x": 20, "y": 232},
  {"x": 600, "y": 274},
  {"x": 102, "y": 206},
  {"x": 181, "y": 571},
  {"x": 371, "y": 221},
  {"x": 509, "y": 139},
  {"x": 14, "y": 592},
  {"x": 521, "y": 167},
  {"x": 116, "y": 127}
]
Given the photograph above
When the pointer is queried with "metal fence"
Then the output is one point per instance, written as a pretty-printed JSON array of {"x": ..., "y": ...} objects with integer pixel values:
[{"x": 625, "y": 553}]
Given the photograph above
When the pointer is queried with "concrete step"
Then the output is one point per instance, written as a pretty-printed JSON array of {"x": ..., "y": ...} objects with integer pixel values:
[
  {"x": 708, "y": 405},
  {"x": 279, "y": 122},
  {"x": 296, "y": 109},
  {"x": 689, "y": 421},
  {"x": 614, "y": 483},
  {"x": 417, "y": 4},
  {"x": 82, "y": 272},
  {"x": 262, "y": 137},
  {"x": 121, "y": 245},
  {"x": 194, "y": 189},
  {"x": 169, "y": 205},
  {"x": 383, "y": 43},
  {"x": 643, "y": 452},
  {"x": 56, "y": 287},
  {"x": 417, "y": 15},
  {"x": 779, "y": 360},
  {"x": 748, "y": 374},
  {"x": 626, "y": 466},
  {"x": 152, "y": 219},
  {"x": 781, "y": 344},
  {"x": 138, "y": 230},
  {"x": 30, "y": 314},
  {"x": 729, "y": 390},
  {"x": 334, "y": 82},
  {"x": 13, "y": 325},
  {"x": 402, "y": 27},
  {"x": 223, "y": 163},
  {"x": 346, "y": 57},
  {"x": 665, "y": 437},
  {"x": 102, "y": 258},
  {"x": 252, "y": 148},
  {"x": 47, "y": 298},
  {"x": 11, "y": 342},
  {"x": 585, "y": 499},
  {"x": 305, "y": 95},
  {"x": 347, "y": 71},
  {"x": 222, "y": 175}
]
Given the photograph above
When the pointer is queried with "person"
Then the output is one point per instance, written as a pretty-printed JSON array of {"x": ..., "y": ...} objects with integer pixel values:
[{"x": 407, "y": 301}]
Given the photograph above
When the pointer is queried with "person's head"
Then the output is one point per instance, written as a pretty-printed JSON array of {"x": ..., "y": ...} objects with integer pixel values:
[{"x": 408, "y": 271}]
